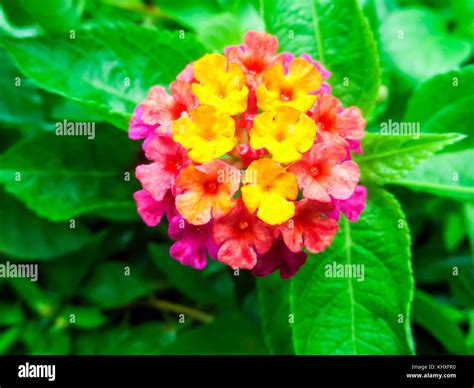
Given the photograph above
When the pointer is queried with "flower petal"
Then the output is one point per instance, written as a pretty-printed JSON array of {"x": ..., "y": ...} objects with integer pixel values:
[
  {"x": 151, "y": 211},
  {"x": 154, "y": 179},
  {"x": 237, "y": 255},
  {"x": 310, "y": 227},
  {"x": 280, "y": 257}
]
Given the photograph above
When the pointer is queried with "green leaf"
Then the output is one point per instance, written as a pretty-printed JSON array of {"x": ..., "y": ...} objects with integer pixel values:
[
  {"x": 212, "y": 285},
  {"x": 20, "y": 101},
  {"x": 145, "y": 339},
  {"x": 430, "y": 269},
  {"x": 81, "y": 317},
  {"x": 15, "y": 23},
  {"x": 275, "y": 312},
  {"x": 41, "y": 302},
  {"x": 24, "y": 235},
  {"x": 376, "y": 11},
  {"x": 468, "y": 209},
  {"x": 61, "y": 177},
  {"x": 231, "y": 334},
  {"x": 470, "y": 337},
  {"x": 388, "y": 157},
  {"x": 71, "y": 110},
  {"x": 250, "y": 306},
  {"x": 10, "y": 314},
  {"x": 339, "y": 314},
  {"x": 188, "y": 12},
  {"x": 418, "y": 43},
  {"x": 450, "y": 104},
  {"x": 453, "y": 231},
  {"x": 41, "y": 340},
  {"x": 463, "y": 12},
  {"x": 217, "y": 23},
  {"x": 54, "y": 15},
  {"x": 322, "y": 28},
  {"x": 107, "y": 68},
  {"x": 433, "y": 317},
  {"x": 124, "y": 10},
  {"x": 64, "y": 275},
  {"x": 451, "y": 312},
  {"x": 111, "y": 285},
  {"x": 247, "y": 12},
  {"x": 125, "y": 212},
  {"x": 218, "y": 31},
  {"x": 462, "y": 284},
  {"x": 15, "y": 13},
  {"x": 447, "y": 175},
  {"x": 8, "y": 338},
  {"x": 8, "y": 138}
]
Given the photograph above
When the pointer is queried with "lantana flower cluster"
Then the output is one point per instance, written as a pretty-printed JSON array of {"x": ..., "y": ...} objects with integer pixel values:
[{"x": 250, "y": 159}]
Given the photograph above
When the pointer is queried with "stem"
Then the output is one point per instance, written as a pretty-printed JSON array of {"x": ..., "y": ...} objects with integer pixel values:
[
  {"x": 180, "y": 309},
  {"x": 150, "y": 10}
]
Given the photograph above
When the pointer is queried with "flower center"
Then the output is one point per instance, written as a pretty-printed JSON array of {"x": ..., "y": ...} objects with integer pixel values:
[
  {"x": 200, "y": 229},
  {"x": 314, "y": 171},
  {"x": 280, "y": 136},
  {"x": 243, "y": 225},
  {"x": 286, "y": 95},
  {"x": 222, "y": 91},
  {"x": 254, "y": 65},
  {"x": 211, "y": 187},
  {"x": 178, "y": 111},
  {"x": 174, "y": 165}
]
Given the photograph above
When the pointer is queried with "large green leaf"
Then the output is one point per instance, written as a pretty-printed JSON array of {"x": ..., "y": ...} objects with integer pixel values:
[
  {"x": 230, "y": 334},
  {"x": 376, "y": 11},
  {"x": 388, "y": 157},
  {"x": 450, "y": 104},
  {"x": 338, "y": 35},
  {"x": 275, "y": 312},
  {"x": 437, "y": 320},
  {"x": 24, "y": 235},
  {"x": 20, "y": 101},
  {"x": 112, "y": 284},
  {"x": 108, "y": 68},
  {"x": 60, "y": 177},
  {"x": 418, "y": 43},
  {"x": 212, "y": 285},
  {"x": 217, "y": 23},
  {"x": 190, "y": 13},
  {"x": 145, "y": 339},
  {"x": 342, "y": 315},
  {"x": 53, "y": 15},
  {"x": 448, "y": 175},
  {"x": 64, "y": 274}
]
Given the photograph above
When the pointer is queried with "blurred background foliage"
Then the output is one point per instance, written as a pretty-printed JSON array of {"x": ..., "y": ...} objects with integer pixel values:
[{"x": 110, "y": 271}]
